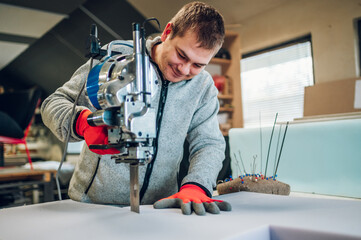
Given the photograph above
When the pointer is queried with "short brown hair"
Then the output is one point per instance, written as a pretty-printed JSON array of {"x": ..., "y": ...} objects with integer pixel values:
[{"x": 202, "y": 19}]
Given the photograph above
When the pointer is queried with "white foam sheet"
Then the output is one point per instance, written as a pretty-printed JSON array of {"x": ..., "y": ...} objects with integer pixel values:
[
  {"x": 318, "y": 157},
  {"x": 251, "y": 212}
]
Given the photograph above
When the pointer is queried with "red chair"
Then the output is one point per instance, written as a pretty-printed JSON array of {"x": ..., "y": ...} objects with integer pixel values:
[{"x": 16, "y": 113}]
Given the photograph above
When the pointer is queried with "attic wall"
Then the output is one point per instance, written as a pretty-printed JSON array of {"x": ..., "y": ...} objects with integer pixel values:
[{"x": 331, "y": 24}]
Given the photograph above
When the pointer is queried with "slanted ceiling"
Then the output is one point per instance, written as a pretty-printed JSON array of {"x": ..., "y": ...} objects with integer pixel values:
[{"x": 43, "y": 42}]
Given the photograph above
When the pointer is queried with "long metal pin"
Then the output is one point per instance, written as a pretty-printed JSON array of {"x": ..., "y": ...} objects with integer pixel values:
[
  {"x": 235, "y": 157},
  {"x": 253, "y": 167},
  {"x": 278, "y": 141},
  {"x": 240, "y": 156},
  {"x": 269, "y": 145},
  {"x": 134, "y": 187},
  {"x": 283, "y": 141},
  {"x": 254, "y": 164},
  {"x": 260, "y": 137}
]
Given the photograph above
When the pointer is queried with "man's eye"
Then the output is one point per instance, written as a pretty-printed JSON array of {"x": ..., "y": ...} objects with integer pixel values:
[
  {"x": 197, "y": 66},
  {"x": 181, "y": 56}
]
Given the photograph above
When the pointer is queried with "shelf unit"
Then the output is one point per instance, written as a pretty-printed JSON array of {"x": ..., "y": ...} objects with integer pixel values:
[{"x": 230, "y": 99}]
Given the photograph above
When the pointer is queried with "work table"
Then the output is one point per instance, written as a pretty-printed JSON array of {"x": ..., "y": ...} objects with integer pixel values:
[{"x": 253, "y": 213}]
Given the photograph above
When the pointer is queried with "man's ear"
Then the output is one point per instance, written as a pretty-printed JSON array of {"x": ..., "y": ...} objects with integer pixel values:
[{"x": 166, "y": 32}]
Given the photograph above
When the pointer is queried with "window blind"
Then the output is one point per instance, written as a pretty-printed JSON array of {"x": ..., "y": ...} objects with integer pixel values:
[{"x": 273, "y": 82}]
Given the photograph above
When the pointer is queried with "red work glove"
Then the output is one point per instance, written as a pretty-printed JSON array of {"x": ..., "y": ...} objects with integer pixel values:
[
  {"x": 193, "y": 197},
  {"x": 93, "y": 135}
]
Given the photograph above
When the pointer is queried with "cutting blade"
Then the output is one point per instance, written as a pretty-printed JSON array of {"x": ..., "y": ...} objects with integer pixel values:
[{"x": 134, "y": 187}]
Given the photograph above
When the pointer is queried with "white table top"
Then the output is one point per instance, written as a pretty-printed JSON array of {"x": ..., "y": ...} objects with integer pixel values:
[{"x": 251, "y": 211}]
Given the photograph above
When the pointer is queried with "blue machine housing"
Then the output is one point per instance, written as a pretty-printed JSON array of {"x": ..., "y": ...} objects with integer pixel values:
[
  {"x": 93, "y": 77},
  {"x": 92, "y": 84}
]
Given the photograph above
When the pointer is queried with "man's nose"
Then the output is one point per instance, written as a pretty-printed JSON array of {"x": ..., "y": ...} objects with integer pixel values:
[{"x": 184, "y": 69}]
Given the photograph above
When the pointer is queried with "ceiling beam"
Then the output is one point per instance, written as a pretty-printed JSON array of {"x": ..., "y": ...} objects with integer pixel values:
[
  {"x": 16, "y": 38},
  {"x": 61, "y": 7}
]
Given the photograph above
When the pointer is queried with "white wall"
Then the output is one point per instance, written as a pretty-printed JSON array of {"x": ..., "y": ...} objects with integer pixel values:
[{"x": 330, "y": 23}]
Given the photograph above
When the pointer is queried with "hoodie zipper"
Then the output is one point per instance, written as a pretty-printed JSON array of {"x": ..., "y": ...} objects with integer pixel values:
[{"x": 162, "y": 100}]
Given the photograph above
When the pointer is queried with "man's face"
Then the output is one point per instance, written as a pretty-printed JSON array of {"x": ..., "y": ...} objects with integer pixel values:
[{"x": 181, "y": 58}]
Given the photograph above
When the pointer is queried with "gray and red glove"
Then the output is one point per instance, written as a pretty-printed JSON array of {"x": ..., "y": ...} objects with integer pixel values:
[
  {"x": 93, "y": 135},
  {"x": 191, "y": 197}
]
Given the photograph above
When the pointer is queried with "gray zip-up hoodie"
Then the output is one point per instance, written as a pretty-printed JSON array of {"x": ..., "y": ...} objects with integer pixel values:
[{"x": 190, "y": 112}]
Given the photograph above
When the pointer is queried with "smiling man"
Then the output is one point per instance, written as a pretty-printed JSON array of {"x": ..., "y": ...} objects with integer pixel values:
[
  {"x": 189, "y": 41},
  {"x": 188, "y": 105},
  {"x": 182, "y": 57}
]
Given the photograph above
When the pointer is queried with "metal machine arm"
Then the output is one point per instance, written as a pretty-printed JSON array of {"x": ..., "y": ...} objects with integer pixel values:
[{"x": 121, "y": 88}]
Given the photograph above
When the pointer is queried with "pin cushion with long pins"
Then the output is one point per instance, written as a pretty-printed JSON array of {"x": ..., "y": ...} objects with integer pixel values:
[
  {"x": 257, "y": 182},
  {"x": 254, "y": 183}
]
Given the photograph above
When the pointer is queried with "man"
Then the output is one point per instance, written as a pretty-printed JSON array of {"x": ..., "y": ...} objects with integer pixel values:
[{"x": 189, "y": 101}]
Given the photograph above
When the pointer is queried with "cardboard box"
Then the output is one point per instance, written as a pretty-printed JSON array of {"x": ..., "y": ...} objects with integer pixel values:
[{"x": 330, "y": 98}]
